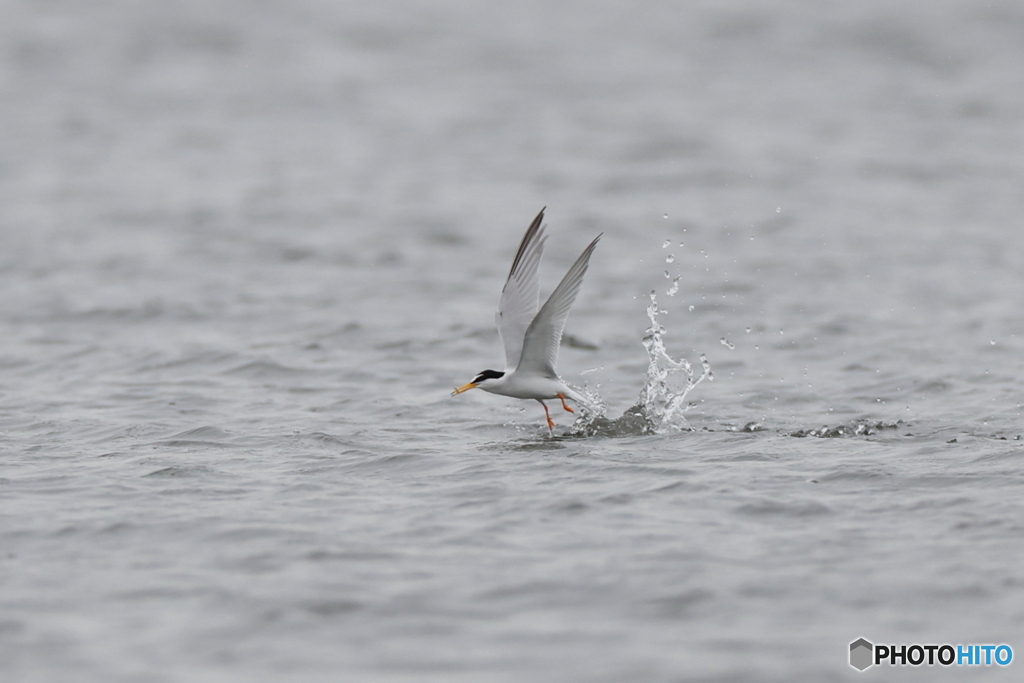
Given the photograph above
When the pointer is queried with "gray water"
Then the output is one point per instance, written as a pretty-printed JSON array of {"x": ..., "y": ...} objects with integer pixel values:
[{"x": 248, "y": 248}]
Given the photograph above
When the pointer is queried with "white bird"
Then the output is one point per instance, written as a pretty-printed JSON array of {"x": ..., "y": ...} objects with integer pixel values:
[{"x": 531, "y": 338}]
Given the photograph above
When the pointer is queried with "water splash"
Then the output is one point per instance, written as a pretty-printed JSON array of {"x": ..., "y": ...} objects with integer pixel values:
[
  {"x": 591, "y": 413},
  {"x": 661, "y": 402},
  {"x": 855, "y": 428},
  {"x": 660, "y": 406}
]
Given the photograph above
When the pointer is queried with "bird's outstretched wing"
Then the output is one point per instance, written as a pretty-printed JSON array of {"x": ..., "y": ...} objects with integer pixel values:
[
  {"x": 543, "y": 336},
  {"x": 521, "y": 295}
]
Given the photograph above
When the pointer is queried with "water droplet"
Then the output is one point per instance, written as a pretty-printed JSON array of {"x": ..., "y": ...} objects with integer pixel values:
[
  {"x": 667, "y": 275},
  {"x": 993, "y": 342},
  {"x": 782, "y": 332},
  {"x": 681, "y": 244},
  {"x": 675, "y": 286},
  {"x": 748, "y": 330},
  {"x": 691, "y": 308},
  {"x": 672, "y": 257},
  {"x": 666, "y": 243},
  {"x": 778, "y": 209},
  {"x": 664, "y": 215},
  {"x": 726, "y": 343}
]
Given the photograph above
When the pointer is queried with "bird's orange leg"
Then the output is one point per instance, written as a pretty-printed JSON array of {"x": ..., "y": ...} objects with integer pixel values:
[
  {"x": 562, "y": 399},
  {"x": 551, "y": 423}
]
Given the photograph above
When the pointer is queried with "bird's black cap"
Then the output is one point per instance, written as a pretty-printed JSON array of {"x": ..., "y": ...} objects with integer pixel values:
[{"x": 488, "y": 374}]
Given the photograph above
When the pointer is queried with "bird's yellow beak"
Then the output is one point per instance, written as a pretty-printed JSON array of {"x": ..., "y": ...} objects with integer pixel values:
[{"x": 464, "y": 387}]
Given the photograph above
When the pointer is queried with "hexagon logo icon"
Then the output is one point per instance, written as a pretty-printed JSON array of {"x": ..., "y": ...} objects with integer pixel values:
[{"x": 861, "y": 652}]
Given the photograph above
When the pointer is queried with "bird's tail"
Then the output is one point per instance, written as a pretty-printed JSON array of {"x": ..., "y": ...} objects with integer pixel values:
[{"x": 579, "y": 398}]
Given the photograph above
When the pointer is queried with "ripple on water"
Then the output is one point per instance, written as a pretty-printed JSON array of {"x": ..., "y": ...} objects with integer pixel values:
[
  {"x": 854, "y": 474},
  {"x": 183, "y": 471},
  {"x": 364, "y": 461},
  {"x": 772, "y": 508},
  {"x": 266, "y": 369},
  {"x": 204, "y": 358},
  {"x": 683, "y": 605},
  {"x": 206, "y": 436},
  {"x": 333, "y": 608}
]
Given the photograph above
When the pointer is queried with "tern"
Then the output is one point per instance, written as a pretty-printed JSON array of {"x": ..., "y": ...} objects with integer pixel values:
[{"x": 531, "y": 338}]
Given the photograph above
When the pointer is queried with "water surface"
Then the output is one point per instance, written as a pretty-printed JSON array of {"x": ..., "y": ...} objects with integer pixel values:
[{"x": 248, "y": 249}]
